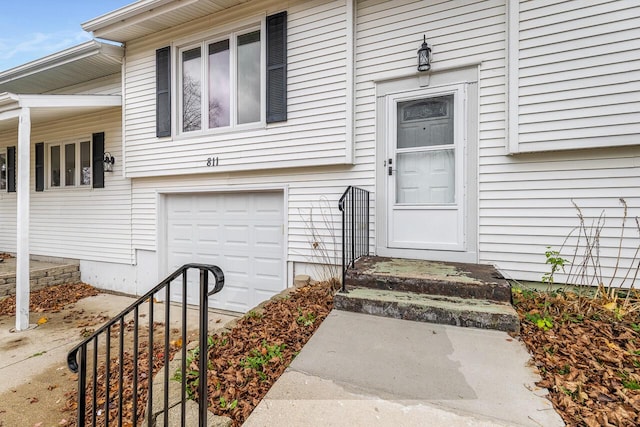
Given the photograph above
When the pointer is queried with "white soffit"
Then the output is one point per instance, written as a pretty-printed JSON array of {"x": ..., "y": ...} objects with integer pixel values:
[
  {"x": 44, "y": 108},
  {"x": 145, "y": 17},
  {"x": 78, "y": 64}
]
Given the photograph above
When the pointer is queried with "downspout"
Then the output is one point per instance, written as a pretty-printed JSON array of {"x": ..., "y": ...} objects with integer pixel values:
[
  {"x": 123, "y": 155},
  {"x": 22, "y": 229},
  {"x": 350, "y": 78}
]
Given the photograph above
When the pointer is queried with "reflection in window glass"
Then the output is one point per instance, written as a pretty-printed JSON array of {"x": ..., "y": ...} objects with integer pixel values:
[
  {"x": 3, "y": 171},
  {"x": 191, "y": 90},
  {"x": 219, "y": 84},
  {"x": 55, "y": 166},
  {"x": 85, "y": 163},
  {"x": 425, "y": 122},
  {"x": 69, "y": 164},
  {"x": 249, "y": 77}
]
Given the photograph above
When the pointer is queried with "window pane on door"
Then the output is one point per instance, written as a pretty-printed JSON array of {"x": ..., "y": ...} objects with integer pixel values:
[
  {"x": 55, "y": 166},
  {"x": 70, "y": 164},
  {"x": 249, "y": 77},
  {"x": 85, "y": 163},
  {"x": 425, "y": 122},
  {"x": 191, "y": 90},
  {"x": 426, "y": 177},
  {"x": 219, "y": 84}
]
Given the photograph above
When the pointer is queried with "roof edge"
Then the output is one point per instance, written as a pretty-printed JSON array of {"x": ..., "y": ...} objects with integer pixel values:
[
  {"x": 132, "y": 10},
  {"x": 91, "y": 47}
]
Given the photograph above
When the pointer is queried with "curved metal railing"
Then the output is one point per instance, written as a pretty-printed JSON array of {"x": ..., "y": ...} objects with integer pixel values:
[
  {"x": 354, "y": 205},
  {"x": 79, "y": 361}
]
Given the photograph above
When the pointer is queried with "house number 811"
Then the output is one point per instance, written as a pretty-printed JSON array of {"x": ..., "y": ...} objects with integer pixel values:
[{"x": 212, "y": 161}]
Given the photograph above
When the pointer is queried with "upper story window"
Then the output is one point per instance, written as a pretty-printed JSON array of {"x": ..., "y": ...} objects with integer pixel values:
[
  {"x": 226, "y": 82},
  {"x": 69, "y": 164},
  {"x": 220, "y": 83},
  {"x": 3, "y": 171}
]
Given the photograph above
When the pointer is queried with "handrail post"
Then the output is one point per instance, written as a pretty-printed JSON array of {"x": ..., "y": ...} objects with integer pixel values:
[
  {"x": 344, "y": 251},
  {"x": 204, "y": 326}
]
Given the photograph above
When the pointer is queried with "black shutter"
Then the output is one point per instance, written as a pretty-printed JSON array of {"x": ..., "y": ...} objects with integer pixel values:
[
  {"x": 163, "y": 92},
  {"x": 277, "y": 67},
  {"x": 40, "y": 166},
  {"x": 98, "y": 159},
  {"x": 11, "y": 169}
]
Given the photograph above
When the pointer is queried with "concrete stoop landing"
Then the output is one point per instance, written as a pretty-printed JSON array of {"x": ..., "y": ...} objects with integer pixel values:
[{"x": 456, "y": 294}]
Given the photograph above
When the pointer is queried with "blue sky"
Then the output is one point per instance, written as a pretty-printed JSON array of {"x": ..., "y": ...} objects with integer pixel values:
[{"x": 31, "y": 29}]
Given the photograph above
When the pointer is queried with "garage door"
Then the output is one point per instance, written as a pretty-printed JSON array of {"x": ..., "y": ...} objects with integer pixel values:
[{"x": 242, "y": 233}]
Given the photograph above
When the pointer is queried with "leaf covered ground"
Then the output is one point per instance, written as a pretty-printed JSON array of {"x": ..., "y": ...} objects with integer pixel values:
[
  {"x": 248, "y": 359},
  {"x": 244, "y": 361},
  {"x": 50, "y": 299},
  {"x": 588, "y": 354}
]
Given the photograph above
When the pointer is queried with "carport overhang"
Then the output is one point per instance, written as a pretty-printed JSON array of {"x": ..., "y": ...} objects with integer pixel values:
[
  {"x": 30, "y": 94},
  {"x": 22, "y": 110}
]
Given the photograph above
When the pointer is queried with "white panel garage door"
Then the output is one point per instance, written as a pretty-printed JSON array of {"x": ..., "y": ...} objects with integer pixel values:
[{"x": 242, "y": 233}]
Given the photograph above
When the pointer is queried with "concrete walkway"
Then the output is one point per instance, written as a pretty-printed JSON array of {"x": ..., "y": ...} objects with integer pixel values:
[
  {"x": 33, "y": 367},
  {"x": 361, "y": 370}
]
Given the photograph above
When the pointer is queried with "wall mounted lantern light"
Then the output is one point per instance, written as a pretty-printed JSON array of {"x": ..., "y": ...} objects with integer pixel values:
[
  {"x": 424, "y": 56},
  {"x": 109, "y": 161}
]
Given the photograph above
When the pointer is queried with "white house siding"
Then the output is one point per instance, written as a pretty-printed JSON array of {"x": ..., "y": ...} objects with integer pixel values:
[
  {"x": 314, "y": 133},
  {"x": 579, "y": 74},
  {"x": 461, "y": 33},
  {"x": 87, "y": 224},
  {"x": 579, "y": 68},
  {"x": 524, "y": 200},
  {"x": 309, "y": 191}
]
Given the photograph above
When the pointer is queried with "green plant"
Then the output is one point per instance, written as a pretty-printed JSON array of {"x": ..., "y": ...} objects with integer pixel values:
[
  {"x": 628, "y": 382},
  {"x": 556, "y": 262},
  {"x": 564, "y": 370},
  {"x": 262, "y": 356},
  {"x": 543, "y": 322},
  {"x": 305, "y": 319},
  {"x": 254, "y": 315}
]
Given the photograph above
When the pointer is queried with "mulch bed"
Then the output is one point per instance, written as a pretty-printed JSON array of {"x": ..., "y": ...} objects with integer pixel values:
[
  {"x": 246, "y": 361},
  {"x": 589, "y": 357},
  {"x": 50, "y": 299},
  {"x": 273, "y": 335}
]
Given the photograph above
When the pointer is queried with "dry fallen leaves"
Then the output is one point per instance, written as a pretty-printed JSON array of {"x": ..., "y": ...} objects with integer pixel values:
[
  {"x": 227, "y": 378},
  {"x": 590, "y": 363},
  {"x": 50, "y": 299}
]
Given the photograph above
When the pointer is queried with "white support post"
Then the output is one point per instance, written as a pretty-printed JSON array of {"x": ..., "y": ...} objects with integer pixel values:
[{"x": 22, "y": 189}]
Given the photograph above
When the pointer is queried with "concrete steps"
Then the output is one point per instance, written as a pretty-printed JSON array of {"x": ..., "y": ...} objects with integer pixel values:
[{"x": 457, "y": 294}]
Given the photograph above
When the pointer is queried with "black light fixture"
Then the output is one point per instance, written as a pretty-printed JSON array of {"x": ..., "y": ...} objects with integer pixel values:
[
  {"x": 109, "y": 161},
  {"x": 424, "y": 56}
]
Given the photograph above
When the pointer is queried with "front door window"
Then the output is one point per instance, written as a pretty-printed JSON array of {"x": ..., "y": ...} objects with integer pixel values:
[{"x": 425, "y": 151}]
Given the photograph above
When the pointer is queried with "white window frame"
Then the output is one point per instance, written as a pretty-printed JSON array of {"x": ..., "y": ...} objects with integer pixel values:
[
  {"x": 78, "y": 172},
  {"x": 203, "y": 41},
  {"x": 3, "y": 154}
]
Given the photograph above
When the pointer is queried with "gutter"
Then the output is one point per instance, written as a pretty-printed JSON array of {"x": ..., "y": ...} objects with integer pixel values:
[{"x": 92, "y": 47}]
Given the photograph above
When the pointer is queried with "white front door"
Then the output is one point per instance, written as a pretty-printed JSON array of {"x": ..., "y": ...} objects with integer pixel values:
[{"x": 425, "y": 169}]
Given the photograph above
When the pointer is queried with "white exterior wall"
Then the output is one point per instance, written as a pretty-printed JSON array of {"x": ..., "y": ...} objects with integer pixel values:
[
  {"x": 524, "y": 200},
  {"x": 576, "y": 88},
  {"x": 314, "y": 133},
  {"x": 579, "y": 74},
  {"x": 82, "y": 223}
]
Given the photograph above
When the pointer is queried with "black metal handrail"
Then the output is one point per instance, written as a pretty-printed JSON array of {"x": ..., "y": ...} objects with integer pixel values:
[
  {"x": 118, "y": 323},
  {"x": 354, "y": 205}
]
